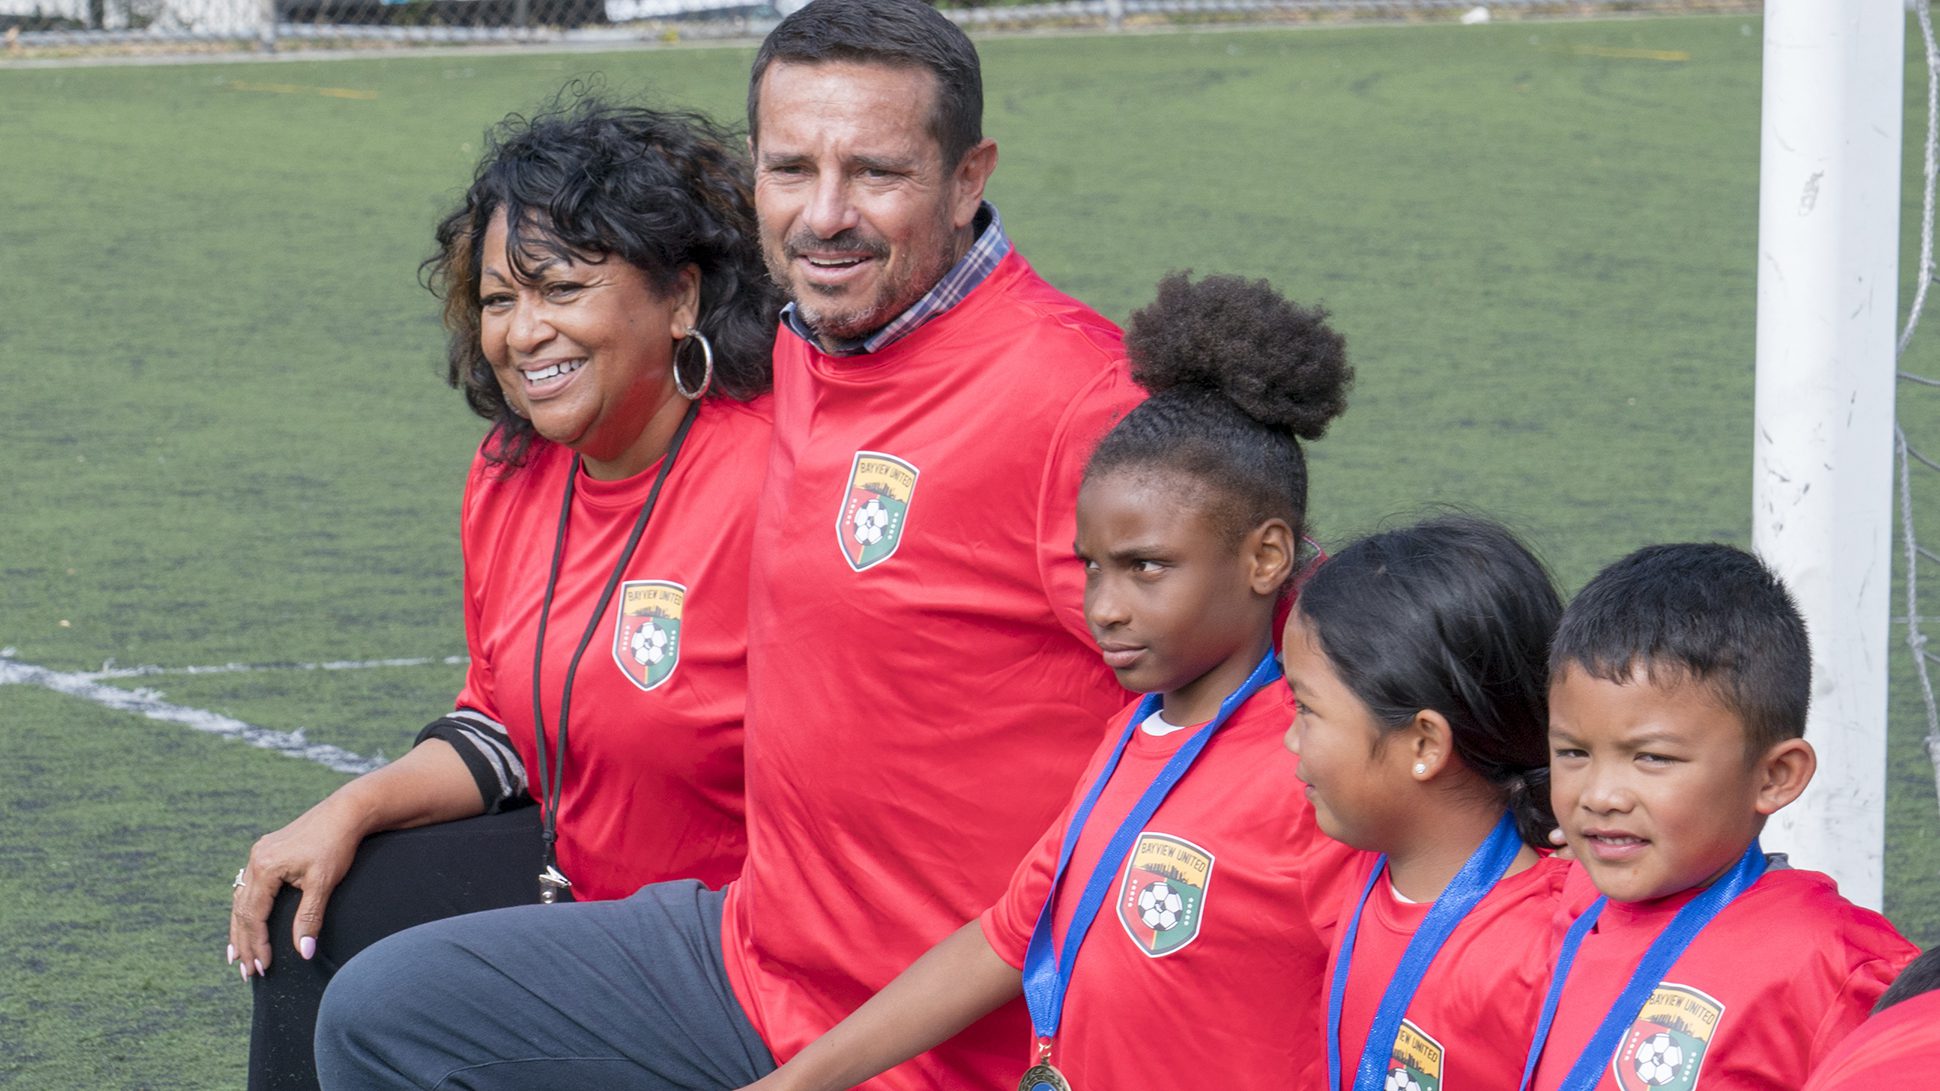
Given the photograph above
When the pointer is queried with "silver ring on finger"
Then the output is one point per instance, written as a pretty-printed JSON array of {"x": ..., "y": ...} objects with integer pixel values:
[{"x": 240, "y": 872}]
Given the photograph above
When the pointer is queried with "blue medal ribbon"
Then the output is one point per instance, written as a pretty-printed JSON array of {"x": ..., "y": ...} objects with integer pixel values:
[
  {"x": 1045, "y": 979},
  {"x": 1658, "y": 959},
  {"x": 1484, "y": 868}
]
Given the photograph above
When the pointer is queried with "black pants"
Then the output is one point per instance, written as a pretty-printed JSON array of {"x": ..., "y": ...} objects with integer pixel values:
[{"x": 400, "y": 879}]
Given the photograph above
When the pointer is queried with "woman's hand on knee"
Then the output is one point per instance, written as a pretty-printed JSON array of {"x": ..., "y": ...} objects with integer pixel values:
[
  {"x": 311, "y": 854},
  {"x": 430, "y": 783}
]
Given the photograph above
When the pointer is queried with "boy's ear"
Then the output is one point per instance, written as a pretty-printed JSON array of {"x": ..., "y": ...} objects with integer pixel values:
[
  {"x": 1270, "y": 553},
  {"x": 1783, "y": 772}
]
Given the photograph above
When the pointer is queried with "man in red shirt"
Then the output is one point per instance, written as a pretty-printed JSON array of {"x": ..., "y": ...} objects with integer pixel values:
[{"x": 922, "y": 694}]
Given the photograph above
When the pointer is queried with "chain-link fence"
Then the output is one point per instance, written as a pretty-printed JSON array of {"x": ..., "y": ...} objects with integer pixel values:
[{"x": 41, "y": 27}]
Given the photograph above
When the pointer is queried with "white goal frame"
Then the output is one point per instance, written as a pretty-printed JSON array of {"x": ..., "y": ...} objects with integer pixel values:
[{"x": 1828, "y": 278}]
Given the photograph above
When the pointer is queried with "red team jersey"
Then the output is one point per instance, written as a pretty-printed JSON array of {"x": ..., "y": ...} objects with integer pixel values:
[
  {"x": 1203, "y": 968},
  {"x": 922, "y": 690},
  {"x": 653, "y": 777},
  {"x": 1757, "y": 1001},
  {"x": 1469, "y": 1025},
  {"x": 1899, "y": 1047}
]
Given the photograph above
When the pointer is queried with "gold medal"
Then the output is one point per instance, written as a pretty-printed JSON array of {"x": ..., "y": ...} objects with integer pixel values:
[{"x": 1043, "y": 1076}]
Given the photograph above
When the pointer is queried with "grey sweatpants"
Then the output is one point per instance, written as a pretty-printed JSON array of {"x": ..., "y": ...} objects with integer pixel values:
[{"x": 624, "y": 994}]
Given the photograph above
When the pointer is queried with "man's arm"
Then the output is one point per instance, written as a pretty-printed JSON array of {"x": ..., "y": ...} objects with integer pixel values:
[{"x": 1090, "y": 415}]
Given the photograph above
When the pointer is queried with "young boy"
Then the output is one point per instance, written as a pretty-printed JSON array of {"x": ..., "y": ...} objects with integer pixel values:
[{"x": 1679, "y": 683}]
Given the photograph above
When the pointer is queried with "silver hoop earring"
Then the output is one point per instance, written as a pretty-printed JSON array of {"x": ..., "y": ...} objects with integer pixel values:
[{"x": 707, "y": 365}]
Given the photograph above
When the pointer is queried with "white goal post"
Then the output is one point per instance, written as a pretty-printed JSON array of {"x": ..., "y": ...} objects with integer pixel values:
[{"x": 1828, "y": 277}]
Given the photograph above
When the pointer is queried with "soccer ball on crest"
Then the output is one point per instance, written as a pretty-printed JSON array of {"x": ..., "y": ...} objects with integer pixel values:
[
  {"x": 649, "y": 644},
  {"x": 1658, "y": 1060},
  {"x": 1400, "y": 1080},
  {"x": 1160, "y": 906},
  {"x": 871, "y": 520}
]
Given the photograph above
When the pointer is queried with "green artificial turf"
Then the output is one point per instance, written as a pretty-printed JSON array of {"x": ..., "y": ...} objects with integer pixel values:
[{"x": 228, "y": 439}]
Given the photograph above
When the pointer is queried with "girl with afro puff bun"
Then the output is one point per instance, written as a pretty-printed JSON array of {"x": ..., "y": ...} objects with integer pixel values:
[{"x": 1175, "y": 918}]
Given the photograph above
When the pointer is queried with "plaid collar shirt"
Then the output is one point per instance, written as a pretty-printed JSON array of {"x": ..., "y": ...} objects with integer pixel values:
[{"x": 971, "y": 269}]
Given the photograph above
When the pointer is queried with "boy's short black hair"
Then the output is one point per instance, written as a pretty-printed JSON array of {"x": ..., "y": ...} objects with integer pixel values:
[
  {"x": 1703, "y": 613},
  {"x": 1922, "y": 975}
]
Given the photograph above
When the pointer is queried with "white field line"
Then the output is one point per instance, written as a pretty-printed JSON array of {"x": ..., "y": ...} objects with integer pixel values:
[
  {"x": 109, "y": 670},
  {"x": 146, "y": 702}
]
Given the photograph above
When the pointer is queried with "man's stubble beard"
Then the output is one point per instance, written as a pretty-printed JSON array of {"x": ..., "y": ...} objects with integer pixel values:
[{"x": 891, "y": 298}]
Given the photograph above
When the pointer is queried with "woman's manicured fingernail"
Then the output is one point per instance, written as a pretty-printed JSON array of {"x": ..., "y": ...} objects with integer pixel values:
[
  {"x": 244, "y": 968},
  {"x": 307, "y": 947},
  {"x": 259, "y": 966},
  {"x": 232, "y": 954}
]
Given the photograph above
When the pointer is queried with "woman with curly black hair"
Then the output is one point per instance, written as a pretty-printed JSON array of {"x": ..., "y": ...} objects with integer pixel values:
[{"x": 610, "y": 316}]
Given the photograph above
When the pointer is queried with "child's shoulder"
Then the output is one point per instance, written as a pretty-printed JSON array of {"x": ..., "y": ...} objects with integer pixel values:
[
  {"x": 1547, "y": 880},
  {"x": 1788, "y": 890},
  {"x": 1788, "y": 909},
  {"x": 1788, "y": 901},
  {"x": 1786, "y": 905},
  {"x": 1273, "y": 704},
  {"x": 1533, "y": 898}
]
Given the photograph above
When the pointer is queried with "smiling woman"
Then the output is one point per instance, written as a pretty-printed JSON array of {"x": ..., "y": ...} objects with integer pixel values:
[
  {"x": 585, "y": 350},
  {"x": 609, "y": 315}
]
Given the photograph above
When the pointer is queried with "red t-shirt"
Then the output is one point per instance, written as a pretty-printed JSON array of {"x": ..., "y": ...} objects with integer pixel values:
[
  {"x": 922, "y": 690},
  {"x": 1888, "y": 1051},
  {"x": 653, "y": 780},
  {"x": 1205, "y": 963},
  {"x": 1757, "y": 1001},
  {"x": 1469, "y": 1025}
]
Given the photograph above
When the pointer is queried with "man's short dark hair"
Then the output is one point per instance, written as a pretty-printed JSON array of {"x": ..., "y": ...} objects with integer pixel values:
[
  {"x": 1706, "y": 614},
  {"x": 897, "y": 33}
]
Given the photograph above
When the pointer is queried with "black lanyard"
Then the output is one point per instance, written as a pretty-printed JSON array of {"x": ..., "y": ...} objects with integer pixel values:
[{"x": 553, "y": 882}]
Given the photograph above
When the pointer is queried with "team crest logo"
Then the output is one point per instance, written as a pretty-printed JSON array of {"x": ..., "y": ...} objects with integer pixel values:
[
  {"x": 871, "y": 524},
  {"x": 1665, "y": 1046},
  {"x": 1163, "y": 894},
  {"x": 646, "y": 644},
  {"x": 1416, "y": 1063}
]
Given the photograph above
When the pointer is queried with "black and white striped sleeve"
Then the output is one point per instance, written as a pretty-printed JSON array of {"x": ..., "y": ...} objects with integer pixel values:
[{"x": 487, "y": 751}]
